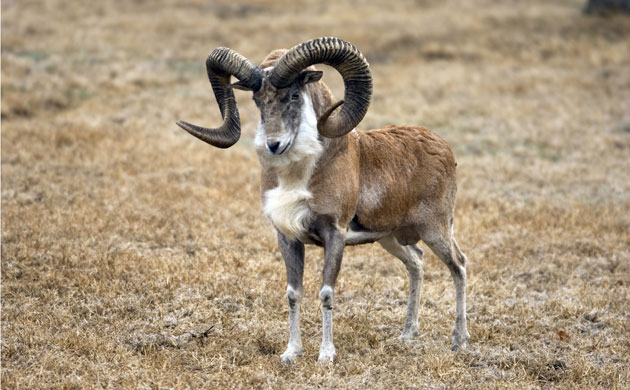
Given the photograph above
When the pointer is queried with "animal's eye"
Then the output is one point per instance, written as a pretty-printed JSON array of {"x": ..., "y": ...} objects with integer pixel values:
[{"x": 295, "y": 96}]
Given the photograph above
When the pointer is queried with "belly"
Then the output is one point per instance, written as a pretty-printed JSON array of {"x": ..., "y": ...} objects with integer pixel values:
[{"x": 354, "y": 237}]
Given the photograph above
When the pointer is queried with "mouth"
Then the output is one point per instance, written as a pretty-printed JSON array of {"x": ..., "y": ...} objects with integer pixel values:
[
  {"x": 285, "y": 147},
  {"x": 280, "y": 151}
]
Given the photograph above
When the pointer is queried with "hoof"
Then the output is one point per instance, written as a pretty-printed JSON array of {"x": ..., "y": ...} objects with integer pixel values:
[
  {"x": 327, "y": 353},
  {"x": 326, "y": 359},
  {"x": 290, "y": 357},
  {"x": 460, "y": 342},
  {"x": 408, "y": 334}
]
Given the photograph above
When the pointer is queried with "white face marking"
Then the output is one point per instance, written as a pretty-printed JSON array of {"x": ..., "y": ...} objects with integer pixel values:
[
  {"x": 305, "y": 146},
  {"x": 287, "y": 204}
]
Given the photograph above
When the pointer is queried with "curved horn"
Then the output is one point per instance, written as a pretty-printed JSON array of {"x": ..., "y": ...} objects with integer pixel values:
[
  {"x": 352, "y": 66},
  {"x": 221, "y": 64}
]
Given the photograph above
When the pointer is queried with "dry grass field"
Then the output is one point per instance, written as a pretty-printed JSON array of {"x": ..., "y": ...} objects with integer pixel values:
[{"x": 135, "y": 256}]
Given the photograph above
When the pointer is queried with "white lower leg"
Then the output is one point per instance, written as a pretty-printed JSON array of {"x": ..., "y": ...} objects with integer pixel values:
[
  {"x": 411, "y": 321},
  {"x": 412, "y": 256},
  {"x": 460, "y": 331},
  {"x": 327, "y": 350},
  {"x": 294, "y": 349}
]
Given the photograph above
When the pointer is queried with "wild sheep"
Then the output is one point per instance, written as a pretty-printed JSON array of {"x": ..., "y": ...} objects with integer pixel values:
[{"x": 328, "y": 184}]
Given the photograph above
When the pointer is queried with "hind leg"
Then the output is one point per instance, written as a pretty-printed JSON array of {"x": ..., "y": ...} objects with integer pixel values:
[
  {"x": 461, "y": 257},
  {"x": 411, "y": 256},
  {"x": 443, "y": 244}
]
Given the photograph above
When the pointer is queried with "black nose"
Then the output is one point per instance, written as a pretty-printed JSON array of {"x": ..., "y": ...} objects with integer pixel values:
[{"x": 273, "y": 146}]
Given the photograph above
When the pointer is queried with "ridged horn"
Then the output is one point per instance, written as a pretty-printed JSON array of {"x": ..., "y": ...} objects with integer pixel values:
[
  {"x": 221, "y": 64},
  {"x": 352, "y": 66}
]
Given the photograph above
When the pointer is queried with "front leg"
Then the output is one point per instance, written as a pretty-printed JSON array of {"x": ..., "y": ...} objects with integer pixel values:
[
  {"x": 334, "y": 242},
  {"x": 293, "y": 253}
]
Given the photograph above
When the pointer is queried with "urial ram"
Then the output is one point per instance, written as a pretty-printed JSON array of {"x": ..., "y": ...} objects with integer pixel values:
[{"x": 328, "y": 184}]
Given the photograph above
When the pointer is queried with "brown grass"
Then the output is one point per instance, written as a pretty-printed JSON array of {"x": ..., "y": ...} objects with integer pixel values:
[{"x": 134, "y": 256}]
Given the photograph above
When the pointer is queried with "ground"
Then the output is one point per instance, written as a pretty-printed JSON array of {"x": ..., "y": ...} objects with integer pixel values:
[{"x": 135, "y": 256}]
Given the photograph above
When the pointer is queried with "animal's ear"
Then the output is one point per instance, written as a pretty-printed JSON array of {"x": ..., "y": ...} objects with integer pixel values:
[
  {"x": 310, "y": 76},
  {"x": 240, "y": 85}
]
